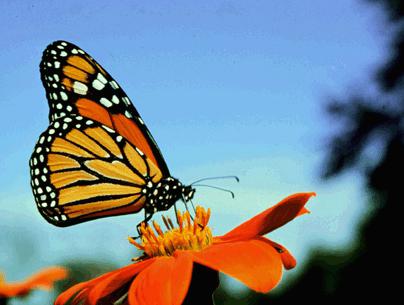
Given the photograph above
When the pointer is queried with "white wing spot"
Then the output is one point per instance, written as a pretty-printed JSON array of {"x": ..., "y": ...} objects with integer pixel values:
[
  {"x": 55, "y": 97},
  {"x": 115, "y": 99},
  {"x": 113, "y": 84},
  {"x": 57, "y": 64},
  {"x": 105, "y": 102},
  {"x": 63, "y": 95},
  {"x": 101, "y": 78},
  {"x": 98, "y": 85},
  {"x": 63, "y": 54},
  {"x": 80, "y": 88},
  {"x": 127, "y": 114}
]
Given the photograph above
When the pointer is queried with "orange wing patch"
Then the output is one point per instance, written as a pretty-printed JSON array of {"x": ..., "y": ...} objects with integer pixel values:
[
  {"x": 119, "y": 122},
  {"x": 60, "y": 162},
  {"x": 133, "y": 134},
  {"x": 100, "y": 205},
  {"x": 79, "y": 138},
  {"x": 133, "y": 207},
  {"x": 78, "y": 193},
  {"x": 62, "y": 179},
  {"x": 114, "y": 170},
  {"x": 75, "y": 74},
  {"x": 102, "y": 137},
  {"x": 80, "y": 63},
  {"x": 62, "y": 146},
  {"x": 90, "y": 109}
]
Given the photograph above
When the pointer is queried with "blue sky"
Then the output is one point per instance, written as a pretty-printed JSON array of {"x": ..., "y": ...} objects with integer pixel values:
[{"x": 226, "y": 87}]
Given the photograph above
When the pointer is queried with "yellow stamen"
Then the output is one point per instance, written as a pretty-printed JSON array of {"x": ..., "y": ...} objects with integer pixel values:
[{"x": 190, "y": 234}]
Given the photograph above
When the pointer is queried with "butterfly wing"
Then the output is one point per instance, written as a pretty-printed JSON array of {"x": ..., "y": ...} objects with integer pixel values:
[
  {"x": 82, "y": 170},
  {"x": 76, "y": 84}
]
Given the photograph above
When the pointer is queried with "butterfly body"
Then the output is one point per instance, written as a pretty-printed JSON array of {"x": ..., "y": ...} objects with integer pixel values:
[
  {"x": 97, "y": 158},
  {"x": 162, "y": 195}
]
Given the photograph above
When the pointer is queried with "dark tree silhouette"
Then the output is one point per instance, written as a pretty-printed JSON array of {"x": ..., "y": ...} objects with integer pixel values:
[{"x": 370, "y": 141}]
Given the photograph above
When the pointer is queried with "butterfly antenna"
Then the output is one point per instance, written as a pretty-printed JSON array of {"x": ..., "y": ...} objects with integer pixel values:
[
  {"x": 216, "y": 178},
  {"x": 218, "y": 188}
]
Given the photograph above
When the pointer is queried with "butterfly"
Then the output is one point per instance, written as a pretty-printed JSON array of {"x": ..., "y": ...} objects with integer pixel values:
[{"x": 97, "y": 158}]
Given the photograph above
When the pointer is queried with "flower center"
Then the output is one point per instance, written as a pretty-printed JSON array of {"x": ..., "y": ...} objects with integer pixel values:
[{"x": 190, "y": 234}]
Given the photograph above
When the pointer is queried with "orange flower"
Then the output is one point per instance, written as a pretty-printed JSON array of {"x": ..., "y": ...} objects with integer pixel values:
[
  {"x": 43, "y": 279},
  {"x": 162, "y": 275}
]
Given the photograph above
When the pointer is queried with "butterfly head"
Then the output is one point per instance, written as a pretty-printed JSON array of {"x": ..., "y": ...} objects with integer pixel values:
[{"x": 187, "y": 193}]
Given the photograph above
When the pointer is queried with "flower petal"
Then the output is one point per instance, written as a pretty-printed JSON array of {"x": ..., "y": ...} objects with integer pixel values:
[
  {"x": 81, "y": 290},
  {"x": 270, "y": 219},
  {"x": 165, "y": 282},
  {"x": 255, "y": 263},
  {"x": 289, "y": 262},
  {"x": 41, "y": 280},
  {"x": 116, "y": 280},
  {"x": 78, "y": 289},
  {"x": 45, "y": 278}
]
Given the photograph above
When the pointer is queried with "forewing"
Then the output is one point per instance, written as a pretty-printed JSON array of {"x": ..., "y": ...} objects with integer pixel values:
[{"x": 76, "y": 84}]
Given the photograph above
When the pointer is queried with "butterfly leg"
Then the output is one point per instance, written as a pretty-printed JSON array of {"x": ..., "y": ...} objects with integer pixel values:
[
  {"x": 147, "y": 217},
  {"x": 192, "y": 204},
  {"x": 186, "y": 207}
]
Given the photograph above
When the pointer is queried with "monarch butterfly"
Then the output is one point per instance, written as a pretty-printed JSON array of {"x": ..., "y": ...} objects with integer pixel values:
[{"x": 97, "y": 158}]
